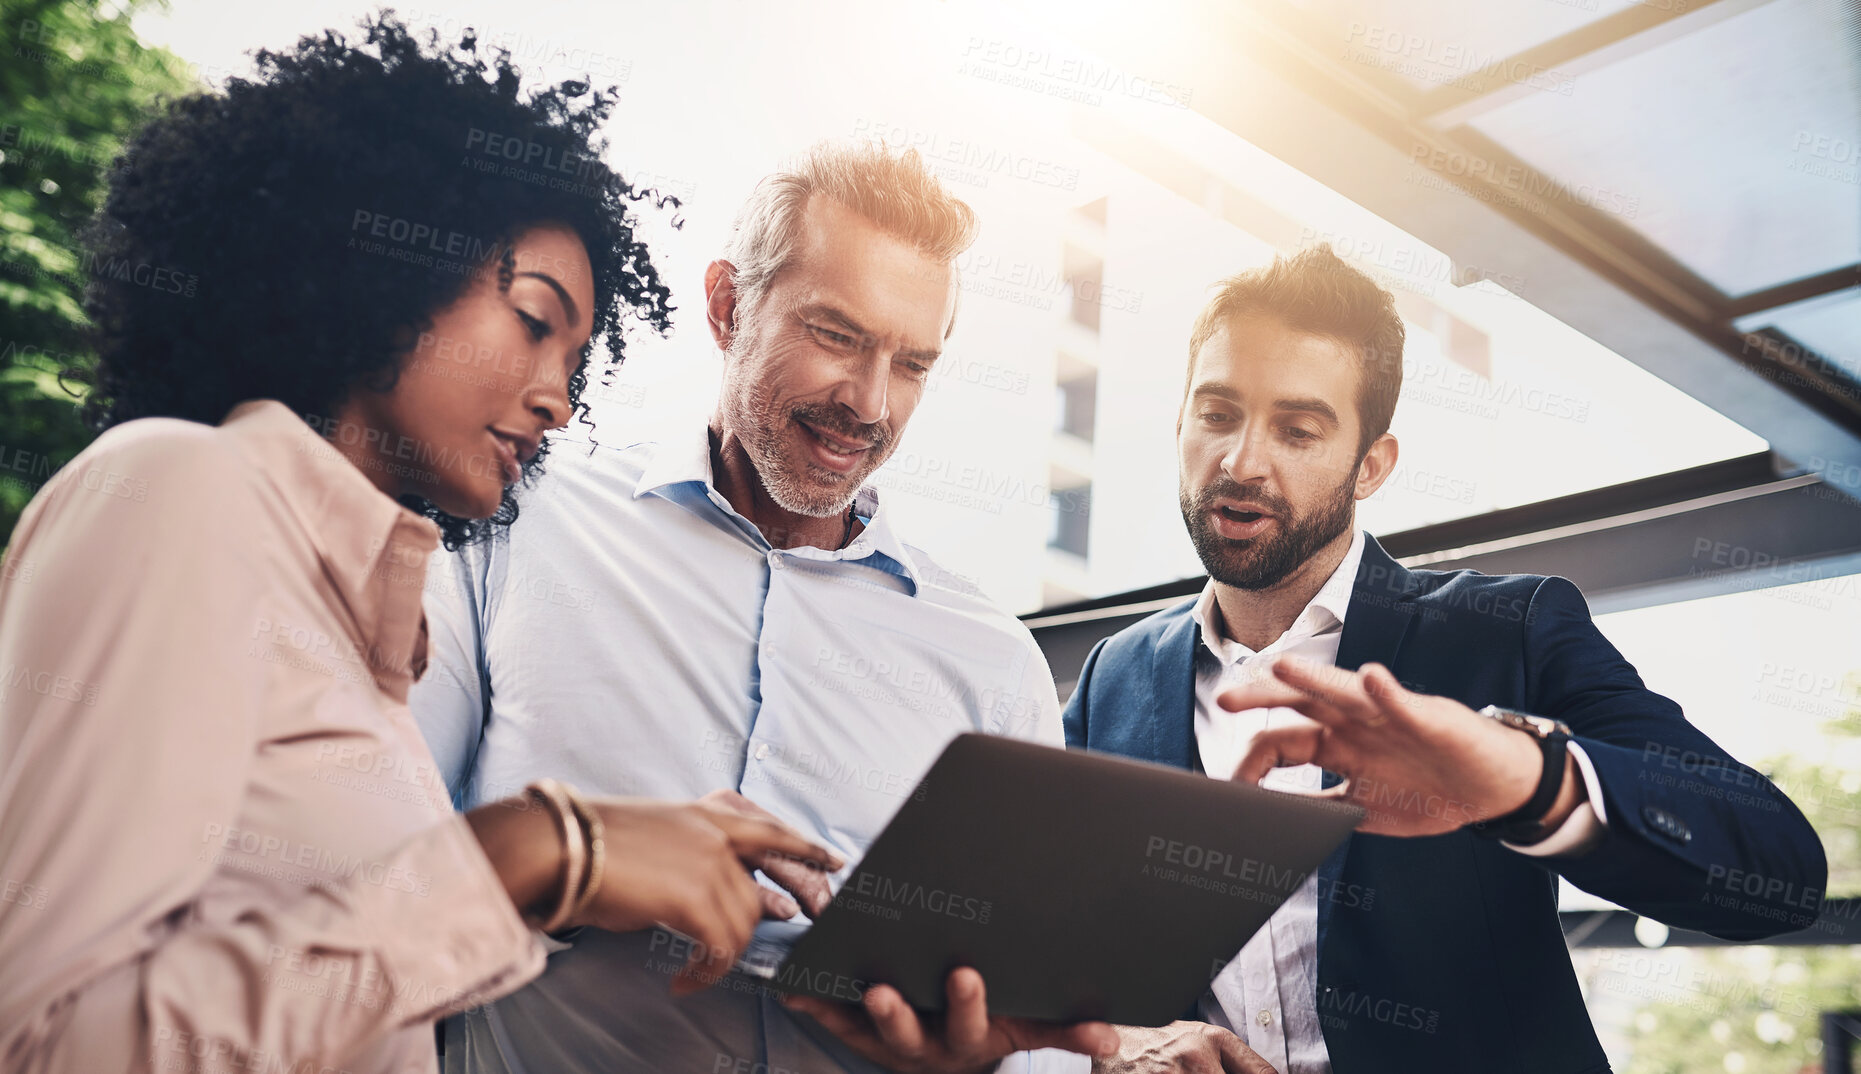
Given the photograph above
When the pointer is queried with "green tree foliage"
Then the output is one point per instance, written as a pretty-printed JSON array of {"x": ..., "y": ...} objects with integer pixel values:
[
  {"x": 1756, "y": 1009},
  {"x": 74, "y": 82}
]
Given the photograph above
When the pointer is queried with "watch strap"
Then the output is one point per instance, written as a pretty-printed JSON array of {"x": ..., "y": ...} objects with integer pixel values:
[{"x": 1526, "y": 823}]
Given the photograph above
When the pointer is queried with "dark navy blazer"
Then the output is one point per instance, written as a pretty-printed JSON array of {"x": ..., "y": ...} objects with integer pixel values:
[{"x": 1444, "y": 953}]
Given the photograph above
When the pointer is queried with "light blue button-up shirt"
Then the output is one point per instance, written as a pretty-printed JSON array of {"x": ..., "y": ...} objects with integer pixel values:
[{"x": 634, "y": 635}]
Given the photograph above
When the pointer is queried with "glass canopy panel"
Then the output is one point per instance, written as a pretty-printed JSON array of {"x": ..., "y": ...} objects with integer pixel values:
[{"x": 1741, "y": 160}]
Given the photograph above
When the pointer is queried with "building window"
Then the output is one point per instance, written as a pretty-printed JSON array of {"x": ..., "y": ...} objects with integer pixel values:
[
  {"x": 1071, "y": 522},
  {"x": 1075, "y": 404},
  {"x": 1085, "y": 274}
]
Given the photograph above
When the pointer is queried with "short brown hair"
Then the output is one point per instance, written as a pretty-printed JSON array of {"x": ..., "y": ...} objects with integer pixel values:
[{"x": 1314, "y": 291}]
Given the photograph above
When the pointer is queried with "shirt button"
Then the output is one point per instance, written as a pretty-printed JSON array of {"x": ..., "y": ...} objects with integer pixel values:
[
  {"x": 1265, "y": 1018},
  {"x": 775, "y": 562},
  {"x": 762, "y": 750}
]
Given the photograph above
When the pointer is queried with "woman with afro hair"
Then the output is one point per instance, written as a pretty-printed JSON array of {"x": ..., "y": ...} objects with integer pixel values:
[{"x": 336, "y": 308}]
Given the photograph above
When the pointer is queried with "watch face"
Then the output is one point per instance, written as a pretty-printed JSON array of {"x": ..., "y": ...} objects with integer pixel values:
[{"x": 1539, "y": 724}]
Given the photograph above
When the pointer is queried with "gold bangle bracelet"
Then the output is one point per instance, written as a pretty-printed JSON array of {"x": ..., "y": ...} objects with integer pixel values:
[
  {"x": 594, "y": 834},
  {"x": 573, "y": 852}
]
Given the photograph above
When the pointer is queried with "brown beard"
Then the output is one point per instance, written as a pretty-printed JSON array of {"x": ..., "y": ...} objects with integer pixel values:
[{"x": 1261, "y": 563}]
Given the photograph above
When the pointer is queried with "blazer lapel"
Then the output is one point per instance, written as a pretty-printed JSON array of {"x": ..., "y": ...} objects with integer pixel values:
[
  {"x": 1375, "y": 625},
  {"x": 1379, "y": 612},
  {"x": 1172, "y": 695}
]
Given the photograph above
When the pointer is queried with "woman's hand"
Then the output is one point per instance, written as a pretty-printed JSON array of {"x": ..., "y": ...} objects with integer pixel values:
[
  {"x": 803, "y": 878},
  {"x": 685, "y": 866}
]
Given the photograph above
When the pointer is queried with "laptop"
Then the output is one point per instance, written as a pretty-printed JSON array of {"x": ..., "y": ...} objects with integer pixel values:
[{"x": 1080, "y": 885}]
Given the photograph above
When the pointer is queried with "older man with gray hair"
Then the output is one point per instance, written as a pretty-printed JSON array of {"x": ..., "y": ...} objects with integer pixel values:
[{"x": 733, "y": 613}]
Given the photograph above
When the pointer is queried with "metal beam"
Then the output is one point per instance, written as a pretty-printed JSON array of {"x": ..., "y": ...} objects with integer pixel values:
[
  {"x": 1788, "y": 532},
  {"x": 1838, "y": 924},
  {"x": 1840, "y": 1032},
  {"x": 1616, "y": 37},
  {"x": 1727, "y": 476},
  {"x": 1784, "y": 294},
  {"x": 1725, "y": 527}
]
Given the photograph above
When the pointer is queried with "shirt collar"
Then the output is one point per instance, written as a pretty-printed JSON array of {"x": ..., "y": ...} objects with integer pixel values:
[
  {"x": 680, "y": 460},
  {"x": 686, "y": 460},
  {"x": 1325, "y": 611},
  {"x": 372, "y": 549}
]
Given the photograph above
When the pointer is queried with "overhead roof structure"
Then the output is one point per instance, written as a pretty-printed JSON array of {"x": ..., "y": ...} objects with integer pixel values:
[{"x": 1676, "y": 179}]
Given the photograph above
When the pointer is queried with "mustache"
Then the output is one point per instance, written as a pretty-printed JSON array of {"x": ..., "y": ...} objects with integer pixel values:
[
  {"x": 1225, "y": 489},
  {"x": 831, "y": 419}
]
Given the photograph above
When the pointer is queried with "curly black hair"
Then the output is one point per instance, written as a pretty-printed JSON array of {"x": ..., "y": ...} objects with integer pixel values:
[{"x": 239, "y": 252}]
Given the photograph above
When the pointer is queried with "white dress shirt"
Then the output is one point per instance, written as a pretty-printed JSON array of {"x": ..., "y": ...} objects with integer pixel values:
[
  {"x": 1268, "y": 994},
  {"x": 636, "y": 635}
]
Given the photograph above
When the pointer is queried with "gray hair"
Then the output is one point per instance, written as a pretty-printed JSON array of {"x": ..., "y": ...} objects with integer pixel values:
[{"x": 895, "y": 191}]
